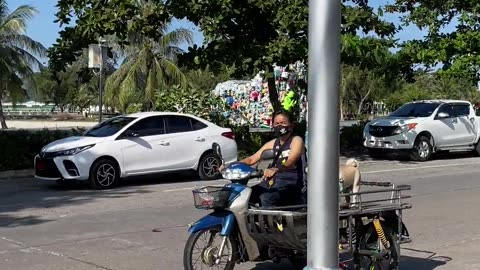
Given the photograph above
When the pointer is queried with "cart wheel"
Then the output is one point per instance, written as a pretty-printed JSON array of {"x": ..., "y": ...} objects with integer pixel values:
[{"x": 370, "y": 241}]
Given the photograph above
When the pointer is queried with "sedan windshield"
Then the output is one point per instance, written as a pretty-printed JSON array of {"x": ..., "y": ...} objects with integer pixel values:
[
  {"x": 109, "y": 127},
  {"x": 420, "y": 109}
]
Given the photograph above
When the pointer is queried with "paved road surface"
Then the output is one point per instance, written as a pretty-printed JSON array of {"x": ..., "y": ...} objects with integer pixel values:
[{"x": 45, "y": 227}]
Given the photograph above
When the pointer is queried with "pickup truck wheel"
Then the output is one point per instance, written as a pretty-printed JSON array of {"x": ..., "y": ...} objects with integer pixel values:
[
  {"x": 477, "y": 150},
  {"x": 422, "y": 150}
]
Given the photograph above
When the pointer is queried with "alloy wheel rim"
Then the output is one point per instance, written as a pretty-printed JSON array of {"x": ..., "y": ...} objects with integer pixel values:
[
  {"x": 210, "y": 166},
  {"x": 423, "y": 149},
  {"x": 106, "y": 175}
]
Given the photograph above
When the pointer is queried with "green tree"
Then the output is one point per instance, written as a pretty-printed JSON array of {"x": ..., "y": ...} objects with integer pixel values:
[
  {"x": 205, "y": 79},
  {"x": 94, "y": 19},
  {"x": 246, "y": 35},
  {"x": 149, "y": 65},
  {"x": 434, "y": 86},
  {"x": 18, "y": 53},
  {"x": 458, "y": 50},
  {"x": 359, "y": 85}
]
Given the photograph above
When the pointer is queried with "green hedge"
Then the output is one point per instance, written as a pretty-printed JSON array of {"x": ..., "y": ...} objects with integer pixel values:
[
  {"x": 351, "y": 138},
  {"x": 19, "y": 147}
]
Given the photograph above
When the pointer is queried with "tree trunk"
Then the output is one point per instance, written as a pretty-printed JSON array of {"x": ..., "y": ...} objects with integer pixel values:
[
  {"x": 341, "y": 110},
  {"x": 360, "y": 105},
  {"x": 2, "y": 117},
  {"x": 273, "y": 94}
]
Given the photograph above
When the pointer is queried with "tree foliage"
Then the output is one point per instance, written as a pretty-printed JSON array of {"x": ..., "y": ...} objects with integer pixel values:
[
  {"x": 192, "y": 101},
  {"x": 101, "y": 18},
  {"x": 149, "y": 65},
  {"x": 457, "y": 50},
  {"x": 18, "y": 53}
]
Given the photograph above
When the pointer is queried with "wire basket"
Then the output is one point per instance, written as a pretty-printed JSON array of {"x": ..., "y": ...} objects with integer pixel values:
[{"x": 211, "y": 197}]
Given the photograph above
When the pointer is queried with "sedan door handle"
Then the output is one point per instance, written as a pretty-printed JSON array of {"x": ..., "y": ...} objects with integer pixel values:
[
  {"x": 164, "y": 143},
  {"x": 199, "y": 139}
]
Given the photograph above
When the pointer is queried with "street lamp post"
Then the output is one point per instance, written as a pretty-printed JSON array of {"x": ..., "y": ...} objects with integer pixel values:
[
  {"x": 97, "y": 60},
  {"x": 323, "y": 97}
]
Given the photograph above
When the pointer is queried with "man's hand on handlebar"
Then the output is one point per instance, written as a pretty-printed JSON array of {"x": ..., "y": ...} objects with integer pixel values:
[{"x": 270, "y": 173}]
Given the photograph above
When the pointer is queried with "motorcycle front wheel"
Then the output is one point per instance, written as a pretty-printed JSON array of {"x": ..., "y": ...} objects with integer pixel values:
[{"x": 202, "y": 248}]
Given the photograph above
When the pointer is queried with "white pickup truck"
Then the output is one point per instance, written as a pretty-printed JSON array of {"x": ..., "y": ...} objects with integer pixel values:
[{"x": 423, "y": 128}]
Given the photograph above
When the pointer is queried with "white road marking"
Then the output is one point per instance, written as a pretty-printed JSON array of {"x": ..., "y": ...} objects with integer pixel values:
[{"x": 366, "y": 172}]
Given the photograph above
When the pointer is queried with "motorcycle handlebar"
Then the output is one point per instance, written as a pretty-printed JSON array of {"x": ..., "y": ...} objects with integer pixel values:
[{"x": 257, "y": 174}]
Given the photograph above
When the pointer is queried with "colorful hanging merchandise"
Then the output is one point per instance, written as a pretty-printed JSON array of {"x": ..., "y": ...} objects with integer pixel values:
[{"x": 250, "y": 100}]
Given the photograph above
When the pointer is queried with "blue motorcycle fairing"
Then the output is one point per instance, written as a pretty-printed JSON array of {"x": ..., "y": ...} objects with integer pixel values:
[
  {"x": 224, "y": 219},
  {"x": 236, "y": 189}
]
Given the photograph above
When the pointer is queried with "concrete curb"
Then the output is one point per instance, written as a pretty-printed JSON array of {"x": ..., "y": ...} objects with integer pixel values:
[{"x": 15, "y": 174}]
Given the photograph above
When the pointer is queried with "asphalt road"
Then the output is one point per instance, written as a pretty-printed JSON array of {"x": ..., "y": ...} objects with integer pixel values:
[{"x": 46, "y": 227}]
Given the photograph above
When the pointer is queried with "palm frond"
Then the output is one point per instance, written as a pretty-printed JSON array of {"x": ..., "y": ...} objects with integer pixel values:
[
  {"x": 173, "y": 75},
  {"x": 176, "y": 38},
  {"x": 16, "y": 22}
]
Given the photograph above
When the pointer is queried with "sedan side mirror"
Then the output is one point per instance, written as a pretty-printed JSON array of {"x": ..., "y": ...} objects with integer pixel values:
[{"x": 131, "y": 134}]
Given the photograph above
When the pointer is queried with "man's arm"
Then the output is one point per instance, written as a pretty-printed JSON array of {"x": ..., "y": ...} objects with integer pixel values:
[
  {"x": 296, "y": 150},
  {"x": 255, "y": 158}
]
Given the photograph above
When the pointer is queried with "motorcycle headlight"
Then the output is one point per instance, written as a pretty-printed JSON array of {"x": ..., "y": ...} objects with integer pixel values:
[
  {"x": 235, "y": 174},
  {"x": 74, "y": 151}
]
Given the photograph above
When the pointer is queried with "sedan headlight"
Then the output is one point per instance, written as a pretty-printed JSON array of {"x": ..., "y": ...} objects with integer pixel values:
[
  {"x": 74, "y": 151},
  {"x": 405, "y": 128}
]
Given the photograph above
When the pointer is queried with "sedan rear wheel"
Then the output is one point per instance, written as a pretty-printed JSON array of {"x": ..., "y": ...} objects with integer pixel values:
[{"x": 208, "y": 167}]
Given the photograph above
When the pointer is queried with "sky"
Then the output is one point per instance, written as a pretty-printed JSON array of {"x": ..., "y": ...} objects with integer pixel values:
[{"x": 42, "y": 28}]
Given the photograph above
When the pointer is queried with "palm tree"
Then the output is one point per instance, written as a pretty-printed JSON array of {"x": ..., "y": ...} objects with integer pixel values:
[
  {"x": 149, "y": 65},
  {"x": 17, "y": 53}
]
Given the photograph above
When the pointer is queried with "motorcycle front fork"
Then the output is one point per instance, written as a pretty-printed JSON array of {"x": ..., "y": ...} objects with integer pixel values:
[{"x": 220, "y": 251}]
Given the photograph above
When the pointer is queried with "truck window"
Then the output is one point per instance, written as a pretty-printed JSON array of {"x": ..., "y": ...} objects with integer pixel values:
[
  {"x": 447, "y": 108},
  {"x": 461, "y": 110},
  {"x": 418, "y": 109}
]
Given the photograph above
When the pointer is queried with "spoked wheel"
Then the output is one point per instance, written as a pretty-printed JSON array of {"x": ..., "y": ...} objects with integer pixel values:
[
  {"x": 202, "y": 248},
  {"x": 208, "y": 167},
  {"x": 422, "y": 150},
  {"x": 104, "y": 174},
  {"x": 371, "y": 242}
]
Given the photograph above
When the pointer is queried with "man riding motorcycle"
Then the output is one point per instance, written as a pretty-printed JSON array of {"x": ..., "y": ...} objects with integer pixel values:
[{"x": 283, "y": 182}]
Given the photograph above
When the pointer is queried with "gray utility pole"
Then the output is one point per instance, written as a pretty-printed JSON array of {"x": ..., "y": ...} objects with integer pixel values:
[
  {"x": 323, "y": 151},
  {"x": 101, "y": 79},
  {"x": 97, "y": 59}
]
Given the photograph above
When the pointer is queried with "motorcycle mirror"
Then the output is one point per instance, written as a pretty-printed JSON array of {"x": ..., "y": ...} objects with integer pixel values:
[{"x": 267, "y": 154}]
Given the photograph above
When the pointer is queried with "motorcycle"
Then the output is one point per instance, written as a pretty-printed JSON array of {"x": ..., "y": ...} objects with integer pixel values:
[{"x": 237, "y": 231}]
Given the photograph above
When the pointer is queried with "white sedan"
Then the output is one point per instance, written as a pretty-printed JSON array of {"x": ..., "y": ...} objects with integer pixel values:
[{"x": 137, "y": 144}]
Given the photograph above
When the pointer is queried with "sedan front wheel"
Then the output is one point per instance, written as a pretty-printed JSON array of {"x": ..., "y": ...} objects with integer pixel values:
[{"x": 104, "y": 174}]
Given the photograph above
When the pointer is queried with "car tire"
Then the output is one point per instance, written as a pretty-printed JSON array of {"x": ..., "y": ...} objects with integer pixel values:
[
  {"x": 476, "y": 152},
  {"x": 104, "y": 174},
  {"x": 375, "y": 153},
  {"x": 422, "y": 149},
  {"x": 208, "y": 167}
]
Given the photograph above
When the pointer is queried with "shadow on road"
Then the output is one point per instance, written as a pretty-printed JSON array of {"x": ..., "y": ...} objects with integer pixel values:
[
  {"x": 404, "y": 158},
  {"x": 24, "y": 194},
  {"x": 415, "y": 263},
  {"x": 406, "y": 263}
]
